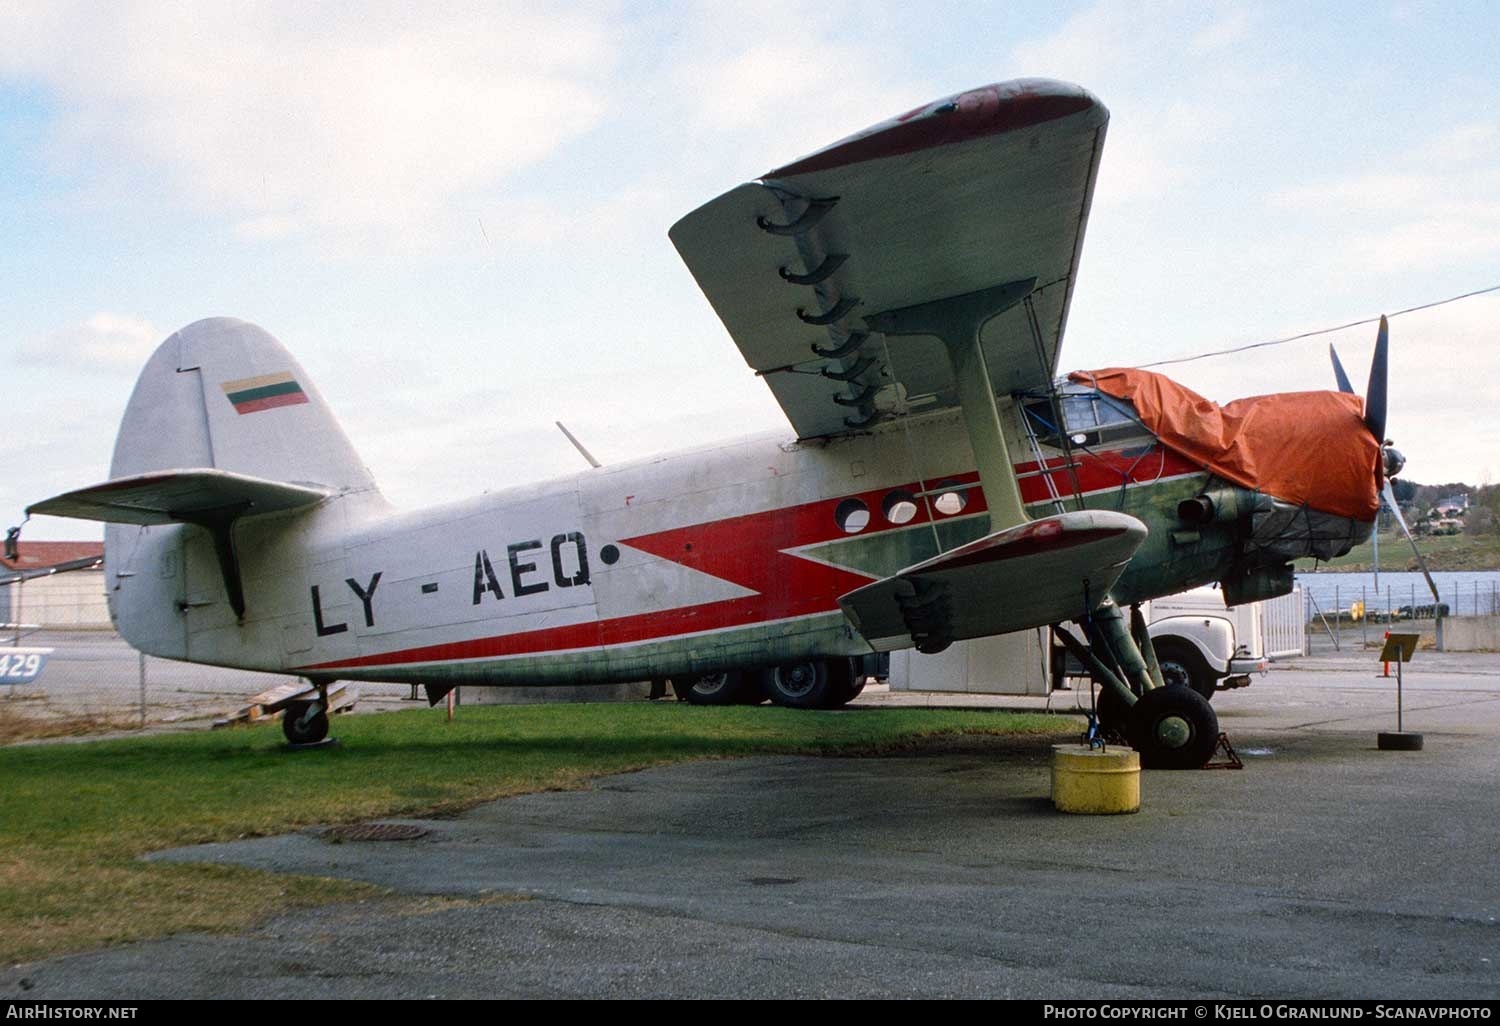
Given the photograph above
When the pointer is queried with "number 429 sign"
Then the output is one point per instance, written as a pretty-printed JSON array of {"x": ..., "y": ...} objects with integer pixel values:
[{"x": 22, "y": 665}]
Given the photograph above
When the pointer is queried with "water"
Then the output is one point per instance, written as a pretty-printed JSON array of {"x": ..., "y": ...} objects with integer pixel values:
[{"x": 1466, "y": 592}]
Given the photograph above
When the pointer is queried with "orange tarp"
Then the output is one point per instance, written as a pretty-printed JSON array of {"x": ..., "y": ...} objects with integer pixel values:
[{"x": 1309, "y": 448}]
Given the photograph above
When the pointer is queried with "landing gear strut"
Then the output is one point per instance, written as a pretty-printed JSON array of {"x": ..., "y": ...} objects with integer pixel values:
[{"x": 1172, "y": 726}]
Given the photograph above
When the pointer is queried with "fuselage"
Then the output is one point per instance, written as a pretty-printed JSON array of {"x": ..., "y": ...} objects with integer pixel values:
[{"x": 725, "y": 556}]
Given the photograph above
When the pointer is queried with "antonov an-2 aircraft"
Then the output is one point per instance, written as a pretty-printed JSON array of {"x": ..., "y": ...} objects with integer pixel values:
[{"x": 903, "y": 293}]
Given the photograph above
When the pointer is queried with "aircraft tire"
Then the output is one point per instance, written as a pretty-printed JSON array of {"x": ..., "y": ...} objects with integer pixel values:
[
  {"x": 1173, "y": 728},
  {"x": 800, "y": 685},
  {"x": 298, "y": 732},
  {"x": 1182, "y": 665},
  {"x": 722, "y": 688}
]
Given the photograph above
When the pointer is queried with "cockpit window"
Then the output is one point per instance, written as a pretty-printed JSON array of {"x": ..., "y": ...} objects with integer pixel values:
[{"x": 1091, "y": 419}]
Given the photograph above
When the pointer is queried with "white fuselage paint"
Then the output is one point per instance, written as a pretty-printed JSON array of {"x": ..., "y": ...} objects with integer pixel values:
[{"x": 492, "y": 589}]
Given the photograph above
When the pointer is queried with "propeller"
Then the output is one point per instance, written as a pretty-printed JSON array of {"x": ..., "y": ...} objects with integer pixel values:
[
  {"x": 1390, "y": 500},
  {"x": 1391, "y": 459},
  {"x": 1338, "y": 371},
  {"x": 1375, "y": 391}
]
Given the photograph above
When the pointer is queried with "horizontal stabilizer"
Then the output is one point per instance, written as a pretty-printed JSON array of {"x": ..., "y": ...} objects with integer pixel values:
[
  {"x": 1038, "y": 573},
  {"x": 176, "y": 496}
]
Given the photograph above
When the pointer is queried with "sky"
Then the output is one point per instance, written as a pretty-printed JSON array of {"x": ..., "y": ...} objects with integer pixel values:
[{"x": 456, "y": 215}]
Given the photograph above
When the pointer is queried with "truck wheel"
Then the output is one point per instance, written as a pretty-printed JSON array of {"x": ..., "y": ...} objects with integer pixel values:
[
  {"x": 844, "y": 682},
  {"x": 801, "y": 685},
  {"x": 1173, "y": 728},
  {"x": 722, "y": 688},
  {"x": 1183, "y": 666}
]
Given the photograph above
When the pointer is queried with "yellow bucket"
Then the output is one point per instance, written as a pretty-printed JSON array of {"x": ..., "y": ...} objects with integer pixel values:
[{"x": 1090, "y": 780}]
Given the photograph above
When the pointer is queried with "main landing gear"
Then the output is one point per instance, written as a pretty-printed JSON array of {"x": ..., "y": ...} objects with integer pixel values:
[
  {"x": 1170, "y": 724},
  {"x": 805, "y": 684}
]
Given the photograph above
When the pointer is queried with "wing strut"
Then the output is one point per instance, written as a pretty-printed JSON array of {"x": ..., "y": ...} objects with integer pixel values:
[{"x": 957, "y": 322}]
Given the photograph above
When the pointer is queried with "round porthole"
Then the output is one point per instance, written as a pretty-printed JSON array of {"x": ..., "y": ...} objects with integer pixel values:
[
  {"x": 900, "y": 506},
  {"x": 952, "y": 497},
  {"x": 852, "y": 516}
]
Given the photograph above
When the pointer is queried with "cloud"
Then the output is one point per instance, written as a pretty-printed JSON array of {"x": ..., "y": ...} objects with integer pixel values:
[
  {"x": 784, "y": 93},
  {"x": 1227, "y": 30},
  {"x": 1126, "y": 53},
  {"x": 267, "y": 226},
  {"x": 107, "y": 343},
  {"x": 336, "y": 119},
  {"x": 1463, "y": 143},
  {"x": 1440, "y": 214}
]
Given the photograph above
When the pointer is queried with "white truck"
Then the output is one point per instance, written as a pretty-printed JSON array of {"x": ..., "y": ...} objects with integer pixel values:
[
  {"x": 1208, "y": 647},
  {"x": 1199, "y": 642}
]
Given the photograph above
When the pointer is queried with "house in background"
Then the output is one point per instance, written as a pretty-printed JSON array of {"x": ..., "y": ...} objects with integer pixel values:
[{"x": 72, "y": 597}]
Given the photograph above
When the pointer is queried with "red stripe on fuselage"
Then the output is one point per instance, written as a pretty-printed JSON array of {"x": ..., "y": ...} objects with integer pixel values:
[
  {"x": 752, "y": 551},
  {"x": 1102, "y": 471},
  {"x": 747, "y": 550}
]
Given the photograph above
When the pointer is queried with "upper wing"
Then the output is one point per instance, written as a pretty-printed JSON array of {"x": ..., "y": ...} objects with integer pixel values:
[{"x": 977, "y": 190}]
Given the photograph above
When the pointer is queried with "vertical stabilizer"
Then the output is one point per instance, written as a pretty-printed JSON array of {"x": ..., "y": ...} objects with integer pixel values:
[
  {"x": 223, "y": 393},
  {"x": 221, "y": 411}
]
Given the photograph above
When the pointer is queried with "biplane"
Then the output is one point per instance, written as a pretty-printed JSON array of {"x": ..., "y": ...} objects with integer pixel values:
[{"x": 903, "y": 293}]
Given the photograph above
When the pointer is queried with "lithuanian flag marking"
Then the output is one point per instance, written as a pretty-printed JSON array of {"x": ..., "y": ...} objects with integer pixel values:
[{"x": 250, "y": 395}]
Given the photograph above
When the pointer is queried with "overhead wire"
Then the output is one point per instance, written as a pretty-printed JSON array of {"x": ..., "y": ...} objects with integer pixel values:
[{"x": 1320, "y": 331}]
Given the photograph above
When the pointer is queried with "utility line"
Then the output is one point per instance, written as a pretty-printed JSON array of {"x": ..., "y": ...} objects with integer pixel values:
[{"x": 1320, "y": 331}]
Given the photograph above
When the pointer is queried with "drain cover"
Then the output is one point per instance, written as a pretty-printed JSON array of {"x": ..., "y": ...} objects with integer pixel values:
[{"x": 374, "y": 832}]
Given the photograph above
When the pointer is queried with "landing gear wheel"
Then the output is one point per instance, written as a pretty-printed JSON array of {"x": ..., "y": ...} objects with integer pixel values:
[
  {"x": 1183, "y": 666},
  {"x": 1173, "y": 728},
  {"x": 722, "y": 688},
  {"x": 1113, "y": 713},
  {"x": 803, "y": 685},
  {"x": 300, "y": 729}
]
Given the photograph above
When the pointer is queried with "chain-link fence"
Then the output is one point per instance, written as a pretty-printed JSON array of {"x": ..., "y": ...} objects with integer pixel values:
[
  {"x": 1343, "y": 616},
  {"x": 93, "y": 681}
]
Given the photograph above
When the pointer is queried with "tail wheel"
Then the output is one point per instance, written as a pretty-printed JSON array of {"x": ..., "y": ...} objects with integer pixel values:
[
  {"x": 301, "y": 729},
  {"x": 1173, "y": 728},
  {"x": 721, "y": 688},
  {"x": 1183, "y": 666},
  {"x": 800, "y": 685}
]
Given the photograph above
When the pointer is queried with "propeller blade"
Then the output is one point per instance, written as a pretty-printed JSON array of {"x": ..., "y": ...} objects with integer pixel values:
[
  {"x": 1390, "y": 500},
  {"x": 1375, "y": 394},
  {"x": 1338, "y": 370}
]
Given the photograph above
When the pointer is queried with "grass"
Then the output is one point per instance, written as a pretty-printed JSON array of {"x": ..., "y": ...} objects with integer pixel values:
[
  {"x": 1446, "y": 552},
  {"x": 75, "y": 817}
]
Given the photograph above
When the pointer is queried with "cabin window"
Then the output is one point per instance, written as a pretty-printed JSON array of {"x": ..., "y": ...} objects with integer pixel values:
[
  {"x": 951, "y": 498},
  {"x": 1090, "y": 418},
  {"x": 900, "y": 506},
  {"x": 852, "y": 516}
]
